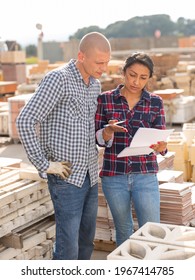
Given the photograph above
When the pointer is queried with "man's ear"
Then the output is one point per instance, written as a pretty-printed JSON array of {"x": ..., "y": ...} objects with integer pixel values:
[{"x": 80, "y": 56}]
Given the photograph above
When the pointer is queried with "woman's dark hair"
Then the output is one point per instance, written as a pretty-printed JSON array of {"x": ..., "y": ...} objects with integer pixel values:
[{"x": 142, "y": 58}]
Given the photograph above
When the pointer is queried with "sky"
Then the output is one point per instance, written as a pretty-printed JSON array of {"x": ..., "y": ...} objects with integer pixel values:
[{"x": 62, "y": 18}]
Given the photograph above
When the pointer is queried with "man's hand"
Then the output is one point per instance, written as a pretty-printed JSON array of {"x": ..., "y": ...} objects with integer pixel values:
[{"x": 62, "y": 169}]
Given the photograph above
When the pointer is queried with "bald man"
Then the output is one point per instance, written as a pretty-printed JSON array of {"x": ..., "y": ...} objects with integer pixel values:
[{"x": 64, "y": 151}]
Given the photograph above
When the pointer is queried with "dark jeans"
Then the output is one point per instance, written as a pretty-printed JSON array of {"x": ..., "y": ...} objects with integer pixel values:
[{"x": 75, "y": 215}]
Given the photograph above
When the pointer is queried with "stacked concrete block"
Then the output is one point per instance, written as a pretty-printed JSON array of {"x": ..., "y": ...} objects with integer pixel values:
[
  {"x": 192, "y": 158},
  {"x": 26, "y": 88},
  {"x": 37, "y": 73},
  {"x": 155, "y": 241},
  {"x": 4, "y": 118},
  {"x": 4, "y": 123},
  {"x": 32, "y": 243},
  {"x": 15, "y": 105},
  {"x": 182, "y": 79},
  {"x": 103, "y": 230},
  {"x": 175, "y": 235},
  {"x": 145, "y": 250},
  {"x": 189, "y": 132},
  {"x": 22, "y": 201},
  {"x": 13, "y": 64},
  {"x": 26, "y": 228},
  {"x": 177, "y": 143}
]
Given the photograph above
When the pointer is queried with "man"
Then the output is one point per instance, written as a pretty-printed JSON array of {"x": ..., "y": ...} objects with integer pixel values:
[{"x": 64, "y": 151}]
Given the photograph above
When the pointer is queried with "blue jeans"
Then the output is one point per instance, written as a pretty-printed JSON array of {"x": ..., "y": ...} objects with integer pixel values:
[
  {"x": 75, "y": 215},
  {"x": 121, "y": 191}
]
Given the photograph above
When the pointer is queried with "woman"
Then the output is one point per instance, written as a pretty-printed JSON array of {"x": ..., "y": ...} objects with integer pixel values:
[{"x": 130, "y": 179}]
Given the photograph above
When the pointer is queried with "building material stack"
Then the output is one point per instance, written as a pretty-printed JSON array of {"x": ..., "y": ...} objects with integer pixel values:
[
  {"x": 163, "y": 63},
  {"x": 37, "y": 72},
  {"x": 13, "y": 65},
  {"x": 155, "y": 241},
  {"x": 103, "y": 235},
  {"x": 177, "y": 143},
  {"x": 175, "y": 194},
  {"x": 176, "y": 203},
  {"x": 189, "y": 132},
  {"x": 27, "y": 226},
  {"x": 4, "y": 118},
  {"x": 15, "y": 105},
  {"x": 7, "y": 89}
]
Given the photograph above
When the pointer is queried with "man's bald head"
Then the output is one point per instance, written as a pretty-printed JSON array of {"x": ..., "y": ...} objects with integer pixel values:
[{"x": 94, "y": 40}]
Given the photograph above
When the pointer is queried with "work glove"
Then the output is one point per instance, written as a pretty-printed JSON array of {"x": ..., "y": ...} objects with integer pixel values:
[{"x": 62, "y": 169}]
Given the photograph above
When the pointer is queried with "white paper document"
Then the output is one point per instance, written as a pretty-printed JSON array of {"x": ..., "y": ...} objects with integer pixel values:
[{"x": 143, "y": 139}]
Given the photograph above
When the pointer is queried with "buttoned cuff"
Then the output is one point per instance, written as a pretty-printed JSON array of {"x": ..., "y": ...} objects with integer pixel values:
[{"x": 101, "y": 141}]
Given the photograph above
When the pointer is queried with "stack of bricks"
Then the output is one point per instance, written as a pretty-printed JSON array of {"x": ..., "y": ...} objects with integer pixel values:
[
  {"x": 24, "y": 201},
  {"x": 37, "y": 73},
  {"x": 155, "y": 241},
  {"x": 7, "y": 89},
  {"x": 15, "y": 105},
  {"x": 13, "y": 64}
]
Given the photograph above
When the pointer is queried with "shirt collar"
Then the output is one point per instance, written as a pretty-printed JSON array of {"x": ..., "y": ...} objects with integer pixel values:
[
  {"x": 145, "y": 93},
  {"x": 76, "y": 72}
]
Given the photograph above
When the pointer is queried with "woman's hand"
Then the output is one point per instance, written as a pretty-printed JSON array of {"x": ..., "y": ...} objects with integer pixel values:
[
  {"x": 159, "y": 147},
  {"x": 109, "y": 130}
]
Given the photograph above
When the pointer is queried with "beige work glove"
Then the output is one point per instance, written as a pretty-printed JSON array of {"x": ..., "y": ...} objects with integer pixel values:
[{"x": 62, "y": 169}]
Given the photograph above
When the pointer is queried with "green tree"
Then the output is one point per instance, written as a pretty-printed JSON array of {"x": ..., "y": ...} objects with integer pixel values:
[
  {"x": 145, "y": 26},
  {"x": 31, "y": 50}
]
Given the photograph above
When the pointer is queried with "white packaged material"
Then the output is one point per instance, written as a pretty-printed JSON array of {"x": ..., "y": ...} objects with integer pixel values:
[{"x": 180, "y": 110}]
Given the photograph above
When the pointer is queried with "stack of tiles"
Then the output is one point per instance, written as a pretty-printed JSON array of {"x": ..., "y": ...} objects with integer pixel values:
[
  {"x": 166, "y": 162},
  {"x": 176, "y": 203}
]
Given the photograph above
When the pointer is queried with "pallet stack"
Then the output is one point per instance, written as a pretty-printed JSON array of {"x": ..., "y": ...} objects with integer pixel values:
[
  {"x": 24, "y": 204},
  {"x": 32, "y": 243}
]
